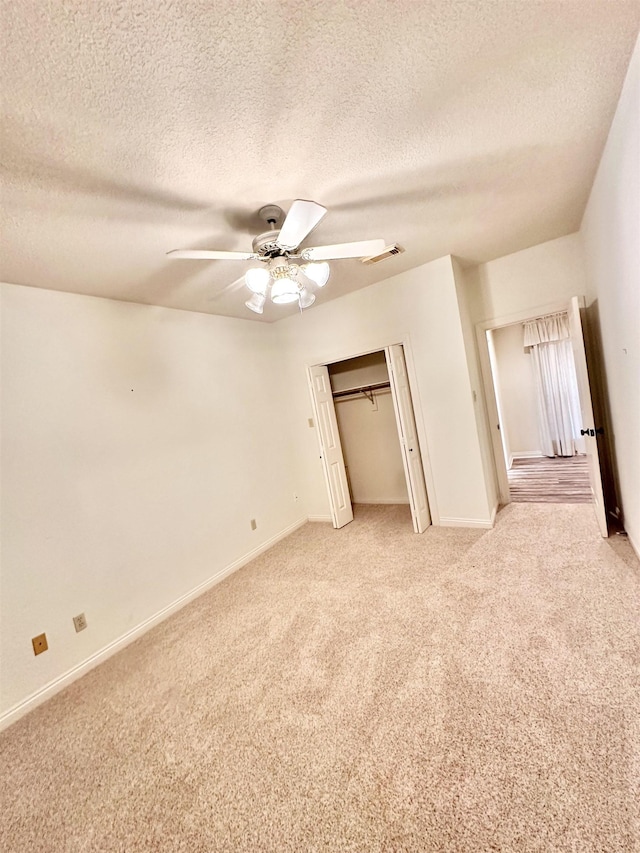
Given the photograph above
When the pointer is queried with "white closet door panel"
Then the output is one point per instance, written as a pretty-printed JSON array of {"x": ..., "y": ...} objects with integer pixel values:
[
  {"x": 331, "y": 449},
  {"x": 412, "y": 459}
]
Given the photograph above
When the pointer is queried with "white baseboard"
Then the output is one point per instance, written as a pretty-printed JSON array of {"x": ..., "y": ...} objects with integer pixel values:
[
  {"x": 524, "y": 454},
  {"x": 67, "y": 678},
  {"x": 633, "y": 545},
  {"x": 484, "y": 523},
  {"x": 320, "y": 518},
  {"x": 385, "y": 501}
]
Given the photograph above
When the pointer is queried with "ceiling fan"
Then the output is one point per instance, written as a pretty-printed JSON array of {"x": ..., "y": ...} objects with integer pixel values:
[{"x": 275, "y": 250}]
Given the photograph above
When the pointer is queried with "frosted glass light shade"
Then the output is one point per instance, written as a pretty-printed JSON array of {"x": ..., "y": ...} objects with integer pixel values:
[
  {"x": 284, "y": 290},
  {"x": 257, "y": 279},
  {"x": 306, "y": 298},
  {"x": 256, "y": 303},
  {"x": 318, "y": 273}
]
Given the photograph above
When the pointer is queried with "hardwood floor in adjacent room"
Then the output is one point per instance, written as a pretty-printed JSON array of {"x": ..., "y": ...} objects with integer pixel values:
[{"x": 551, "y": 480}]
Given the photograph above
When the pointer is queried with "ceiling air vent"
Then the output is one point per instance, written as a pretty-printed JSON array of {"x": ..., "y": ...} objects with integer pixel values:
[{"x": 388, "y": 252}]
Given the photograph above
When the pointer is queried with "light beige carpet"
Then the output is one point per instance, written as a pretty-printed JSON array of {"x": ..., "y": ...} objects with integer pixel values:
[{"x": 364, "y": 689}]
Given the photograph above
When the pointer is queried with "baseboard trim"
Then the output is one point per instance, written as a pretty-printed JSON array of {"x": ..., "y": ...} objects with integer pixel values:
[
  {"x": 71, "y": 675},
  {"x": 633, "y": 545},
  {"x": 484, "y": 523},
  {"x": 385, "y": 502},
  {"x": 320, "y": 518},
  {"x": 527, "y": 454}
]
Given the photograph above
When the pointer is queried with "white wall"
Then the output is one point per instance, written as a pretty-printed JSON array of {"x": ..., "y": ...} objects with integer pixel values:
[
  {"x": 530, "y": 279},
  {"x": 517, "y": 391},
  {"x": 482, "y": 424},
  {"x": 610, "y": 234},
  {"x": 418, "y": 308},
  {"x": 371, "y": 448},
  {"x": 365, "y": 370},
  {"x": 137, "y": 444}
]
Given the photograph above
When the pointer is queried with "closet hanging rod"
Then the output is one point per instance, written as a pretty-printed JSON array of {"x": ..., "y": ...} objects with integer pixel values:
[
  {"x": 362, "y": 389},
  {"x": 545, "y": 317}
]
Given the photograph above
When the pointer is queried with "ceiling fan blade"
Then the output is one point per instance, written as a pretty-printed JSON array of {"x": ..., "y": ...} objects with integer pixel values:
[
  {"x": 363, "y": 249},
  {"x": 302, "y": 218},
  {"x": 212, "y": 255}
]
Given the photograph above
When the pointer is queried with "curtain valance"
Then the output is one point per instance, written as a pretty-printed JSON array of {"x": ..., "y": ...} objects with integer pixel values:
[{"x": 543, "y": 330}]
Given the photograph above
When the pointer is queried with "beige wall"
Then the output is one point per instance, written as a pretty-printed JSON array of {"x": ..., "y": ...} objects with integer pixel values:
[
  {"x": 610, "y": 235},
  {"x": 530, "y": 279},
  {"x": 517, "y": 391},
  {"x": 371, "y": 448},
  {"x": 465, "y": 297},
  {"x": 365, "y": 370},
  {"x": 137, "y": 444},
  {"x": 419, "y": 308}
]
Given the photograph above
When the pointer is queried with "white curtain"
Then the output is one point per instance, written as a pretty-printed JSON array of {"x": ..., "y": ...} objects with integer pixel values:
[{"x": 559, "y": 417}]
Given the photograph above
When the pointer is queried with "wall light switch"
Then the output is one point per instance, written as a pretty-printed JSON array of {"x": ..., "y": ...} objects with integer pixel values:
[{"x": 310, "y": 422}]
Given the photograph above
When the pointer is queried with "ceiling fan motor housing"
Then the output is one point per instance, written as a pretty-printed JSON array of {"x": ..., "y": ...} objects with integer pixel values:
[{"x": 265, "y": 245}]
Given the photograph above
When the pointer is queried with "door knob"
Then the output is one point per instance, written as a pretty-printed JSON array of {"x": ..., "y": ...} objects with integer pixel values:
[
  {"x": 600, "y": 431},
  {"x": 584, "y": 432}
]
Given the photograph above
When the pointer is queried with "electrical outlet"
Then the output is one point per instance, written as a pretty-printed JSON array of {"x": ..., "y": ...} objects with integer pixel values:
[
  {"x": 253, "y": 524},
  {"x": 80, "y": 622},
  {"x": 40, "y": 644}
]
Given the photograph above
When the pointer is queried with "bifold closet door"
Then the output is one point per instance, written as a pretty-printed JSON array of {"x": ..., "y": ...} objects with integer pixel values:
[
  {"x": 408, "y": 433},
  {"x": 330, "y": 447}
]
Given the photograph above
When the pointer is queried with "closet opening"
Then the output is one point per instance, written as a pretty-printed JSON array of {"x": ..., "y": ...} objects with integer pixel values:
[
  {"x": 361, "y": 392},
  {"x": 368, "y": 437}
]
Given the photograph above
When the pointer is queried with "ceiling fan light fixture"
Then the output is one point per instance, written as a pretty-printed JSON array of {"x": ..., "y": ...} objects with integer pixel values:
[
  {"x": 256, "y": 303},
  {"x": 306, "y": 298},
  {"x": 284, "y": 290},
  {"x": 317, "y": 272},
  {"x": 257, "y": 279}
]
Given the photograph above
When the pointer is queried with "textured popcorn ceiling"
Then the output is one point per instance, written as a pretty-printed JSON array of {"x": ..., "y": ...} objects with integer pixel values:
[{"x": 132, "y": 128}]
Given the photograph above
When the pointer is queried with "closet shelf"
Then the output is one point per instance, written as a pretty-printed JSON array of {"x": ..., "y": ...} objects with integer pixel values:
[{"x": 362, "y": 389}]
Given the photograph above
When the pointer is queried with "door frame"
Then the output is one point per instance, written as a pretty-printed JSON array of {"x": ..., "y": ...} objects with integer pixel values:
[
  {"x": 404, "y": 341},
  {"x": 500, "y": 465}
]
